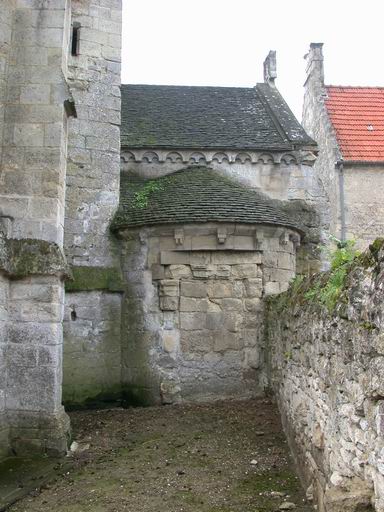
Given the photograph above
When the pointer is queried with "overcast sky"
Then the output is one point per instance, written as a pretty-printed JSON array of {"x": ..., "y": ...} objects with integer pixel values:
[{"x": 224, "y": 42}]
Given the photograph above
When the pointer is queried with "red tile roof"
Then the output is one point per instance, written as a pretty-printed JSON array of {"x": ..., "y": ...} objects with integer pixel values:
[{"x": 357, "y": 114}]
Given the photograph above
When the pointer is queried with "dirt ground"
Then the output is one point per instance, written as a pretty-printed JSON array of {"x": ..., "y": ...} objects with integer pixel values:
[{"x": 222, "y": 457}]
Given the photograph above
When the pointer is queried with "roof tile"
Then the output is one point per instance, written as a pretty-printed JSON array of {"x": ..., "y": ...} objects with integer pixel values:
[
  {"x": 208, "y": 117},
  {"x": 357, "y": 114},
  {"x": 195, "y": 194}
]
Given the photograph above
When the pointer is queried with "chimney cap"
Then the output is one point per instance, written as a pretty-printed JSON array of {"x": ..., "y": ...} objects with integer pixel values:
[
  {"x": 270, "y": 72},
  {"x": 315, "y": 64},
  {"x": 316, "y": 45}
]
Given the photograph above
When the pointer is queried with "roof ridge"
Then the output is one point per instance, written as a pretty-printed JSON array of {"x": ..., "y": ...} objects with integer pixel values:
[
  {"x": 190, "y": 86},
  {"x": 355, "y": 86},
  {"x": 276, "y": 122}
]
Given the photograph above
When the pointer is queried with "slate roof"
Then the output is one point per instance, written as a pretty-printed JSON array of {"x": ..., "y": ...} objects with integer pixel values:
[
  {"x": 357, "y": 114},
  {"x": 208, "y": 117},
  {"x": 195, "y": 194}
]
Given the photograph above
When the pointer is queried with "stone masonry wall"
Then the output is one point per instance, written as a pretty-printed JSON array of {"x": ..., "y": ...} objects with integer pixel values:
[
  {"x": 31, "y": 308},
  {"x": 317, "y": 124},
  {"x": 91, "y": 340},
  {"x": 93, "y": 171},
  {"x": 364, "y": 211},
  {"x": 34, "y": 130},
  {"x": 326, "y": 369},
  {"x": 34, "y": 373},
  {"x": 6, "y": 19},
  {"x": 353, "y": 190},
  {"x": 193, "y": 309},
  {"x": 4, "y": 429},
  {"x": 92, "y": 351},
  {"x": 281, "y": 175}
]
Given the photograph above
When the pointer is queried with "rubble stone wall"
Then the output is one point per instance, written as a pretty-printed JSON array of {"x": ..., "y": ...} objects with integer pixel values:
[
  {"x": 326, "y": 368},
  {"x": 193, "y": 310}
]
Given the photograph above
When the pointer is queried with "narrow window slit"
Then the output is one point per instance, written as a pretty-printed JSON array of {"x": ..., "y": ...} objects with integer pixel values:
[{"x": 75, "y": 42}]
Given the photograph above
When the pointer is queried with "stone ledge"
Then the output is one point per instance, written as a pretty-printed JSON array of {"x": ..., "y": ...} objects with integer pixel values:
[
  {"x": 95, "y": 278},
  {"x": 27, "y": 256}
]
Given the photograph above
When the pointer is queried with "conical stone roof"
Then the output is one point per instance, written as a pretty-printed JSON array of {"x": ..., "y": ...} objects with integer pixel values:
[{"x": 195, "y": 194}]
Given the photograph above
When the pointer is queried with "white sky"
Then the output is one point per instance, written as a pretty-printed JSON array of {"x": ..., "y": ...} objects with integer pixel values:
[{"x": 224, "y": 42}]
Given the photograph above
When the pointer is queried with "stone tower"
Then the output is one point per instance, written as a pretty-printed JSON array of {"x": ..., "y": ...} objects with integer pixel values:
[{"x": 59, "y": 169}]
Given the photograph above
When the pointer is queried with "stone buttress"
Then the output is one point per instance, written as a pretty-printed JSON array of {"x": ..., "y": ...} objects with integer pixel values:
[{"x": 35, "y": 105}]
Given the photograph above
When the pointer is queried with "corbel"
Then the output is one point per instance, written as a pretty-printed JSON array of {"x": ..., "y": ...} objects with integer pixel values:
[
  {"x": 259, "y": 240},
  {"x": 295, "y": 239},
  {"x": 284, "y": 238},
  {"x": 179, "y": 236},
  {"x": 221, "y": 235}
]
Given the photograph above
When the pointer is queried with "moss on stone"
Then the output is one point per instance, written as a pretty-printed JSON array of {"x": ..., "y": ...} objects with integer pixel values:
[
  {"x": 369, "y": 258},
  {"x": 368, "y": 326},
  {"x": 95, "y": 278},
  {"x": 20, "y": 258}
]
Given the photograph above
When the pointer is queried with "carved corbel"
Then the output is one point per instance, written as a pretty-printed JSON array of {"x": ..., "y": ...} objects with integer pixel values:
[
  {"x": 221, "y": 235},
  {"x": 179, "y": 236},
  {"x": 295, "y": 239},
  {"x": 259, "y": 240},
  {"x": 284, "y": 238}
]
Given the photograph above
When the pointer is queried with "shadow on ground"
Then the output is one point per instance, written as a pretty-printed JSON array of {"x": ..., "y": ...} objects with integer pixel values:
[{"x": 222, "y": 457}]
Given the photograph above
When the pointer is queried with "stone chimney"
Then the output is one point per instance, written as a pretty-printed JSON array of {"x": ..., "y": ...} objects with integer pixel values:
[
  {"x": 270, "y": 73},
  {"x": 315, "y": 64}
]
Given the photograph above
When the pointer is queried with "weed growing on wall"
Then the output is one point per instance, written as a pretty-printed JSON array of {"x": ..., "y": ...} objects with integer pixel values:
[
  {"x": 142, "y": 195},
  {"x": 341, "y": 258}
]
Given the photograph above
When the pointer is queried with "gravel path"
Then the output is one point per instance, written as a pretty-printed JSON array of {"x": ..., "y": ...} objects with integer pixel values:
[{"x": 221, "y": 457}]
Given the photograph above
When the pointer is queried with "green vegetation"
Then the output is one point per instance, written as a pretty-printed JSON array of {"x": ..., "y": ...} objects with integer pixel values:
[
  {"x": 142, "y": 195},
  {"x": 326, "y": 288},
  {"x": 263, "y": 485},
  {"x": 328, "y": 292}
]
